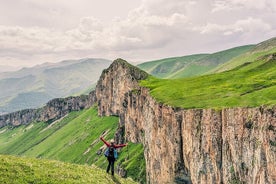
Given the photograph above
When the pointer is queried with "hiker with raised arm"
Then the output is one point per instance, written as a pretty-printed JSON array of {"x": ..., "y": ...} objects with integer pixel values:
[{"x": 111, "y": 153}]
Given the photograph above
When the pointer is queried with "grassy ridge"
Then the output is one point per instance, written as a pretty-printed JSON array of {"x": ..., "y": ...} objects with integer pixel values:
[
  {"x": 240, "y": 60},
  {"x": 163, "y": 68},
  {"x": 261, "y": 49},
  {"x": 249, "y": 85},
  {"x": 18, "y": 170},
  {"x": 74, "y": 139},
  {"x": 193, "y": 65}
]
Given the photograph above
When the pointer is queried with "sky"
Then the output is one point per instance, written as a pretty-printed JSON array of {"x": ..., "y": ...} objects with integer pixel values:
[{"x": 38, "y": 31}]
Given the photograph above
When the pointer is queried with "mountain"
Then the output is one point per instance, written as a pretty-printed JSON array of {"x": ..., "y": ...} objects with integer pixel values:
[
  {"x": 28, "y": 170},
  {"x": 33, "y": 87},
  {"x": 193, "y": 65},
  {"x": 181, "y": 144},
  {"x": 187, "y": 144},
  {"x": 263, "y": 48},
  {"x": 216, "y": 128}
]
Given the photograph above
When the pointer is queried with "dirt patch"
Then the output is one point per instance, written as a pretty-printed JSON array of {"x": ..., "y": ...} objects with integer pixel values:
[
  {"x": 55, "y": 122},
  {"x": 95, "y": 142},
  {"x": 3, "y": 131}
]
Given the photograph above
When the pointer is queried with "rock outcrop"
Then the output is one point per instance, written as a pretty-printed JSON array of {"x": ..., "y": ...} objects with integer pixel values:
[
  {"x": 114, "y": 83},
  {"x": 53, "y": 110},
  {"x": 235, "y": 145}
]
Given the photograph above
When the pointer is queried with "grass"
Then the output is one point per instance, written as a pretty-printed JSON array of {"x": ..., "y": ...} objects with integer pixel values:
[
  {"x": 18, "y": 170},
  {"x": 249, "y": 85},
  {"x": 192, "y": 65},
  {"x": 244, "y": 58},
  {"x": 163, "y": 68},
  {"x": 73, "y": 139},
  {"x": 132, "y": 159}
]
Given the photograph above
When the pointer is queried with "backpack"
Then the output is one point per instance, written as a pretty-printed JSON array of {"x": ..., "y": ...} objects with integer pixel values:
[{"x": 111, "y": 152}]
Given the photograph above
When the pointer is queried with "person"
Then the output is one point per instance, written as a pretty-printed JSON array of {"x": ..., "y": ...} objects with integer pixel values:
[{"x": 111, "y": 158}]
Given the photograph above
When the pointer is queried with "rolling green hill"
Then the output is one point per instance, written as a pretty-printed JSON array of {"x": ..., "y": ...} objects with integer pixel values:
[
  {"x": 193, "y": 65},
  {"x": 73, "y": 139},
  {"x": 249, "y": 85},
  {"x": 165, "y": 67},
  {"x": 18, "y": 170},
  {"x": 33, "y": 87},
  {"x": 263, "y": 48}
]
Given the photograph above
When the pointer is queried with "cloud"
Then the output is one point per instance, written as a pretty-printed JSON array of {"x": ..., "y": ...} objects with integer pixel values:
[
  {"x": 245, "y": 26},
  {"x": 154, "y": 29},
  {"x": 228, "y": 5}
]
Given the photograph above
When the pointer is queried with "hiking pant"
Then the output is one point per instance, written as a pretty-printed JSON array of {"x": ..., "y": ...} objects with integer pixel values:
[{"x": 111, "y": 162}]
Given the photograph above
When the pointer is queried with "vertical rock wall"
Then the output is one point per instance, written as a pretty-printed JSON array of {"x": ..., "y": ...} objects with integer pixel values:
[
  {"x": 190, "y": 146},
  {"x": 249, "y": 149}
]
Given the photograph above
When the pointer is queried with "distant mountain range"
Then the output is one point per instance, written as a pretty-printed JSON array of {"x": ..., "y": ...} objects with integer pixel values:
[{"x": 32, "y": 87}]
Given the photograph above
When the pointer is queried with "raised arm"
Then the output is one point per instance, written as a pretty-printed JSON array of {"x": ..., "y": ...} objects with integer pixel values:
[
  {"x": 120, "y": 145},
  {"x": 106, "y": 143}
]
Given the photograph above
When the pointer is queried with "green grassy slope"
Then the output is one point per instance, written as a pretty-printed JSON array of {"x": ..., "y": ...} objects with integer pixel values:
[
  {"x": 164, "y": 67},
  {"x": 74, "y": 139},
  {"x": 193, "y": 65},
  {"x": 252, "y": 84},
  {"x": 263, "y": 48},
  {"x": 18, "y": 170}
]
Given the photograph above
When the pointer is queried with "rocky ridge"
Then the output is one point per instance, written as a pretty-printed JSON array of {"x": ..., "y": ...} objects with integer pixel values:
[
  {"x": 234, "y": 145},
  {"x": 53, "y": 110}
]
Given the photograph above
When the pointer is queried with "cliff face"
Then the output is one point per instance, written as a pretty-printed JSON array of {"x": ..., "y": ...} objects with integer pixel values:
[
  {"x": 235, "y": 145},
  {"x": 118, "y": 79},
  {"x": 114, "y": 83},
  {"x": 53, "y": 110}
]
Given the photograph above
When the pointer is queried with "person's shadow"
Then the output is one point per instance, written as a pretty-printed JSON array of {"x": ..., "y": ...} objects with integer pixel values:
[{"x": 115, "y": 180}]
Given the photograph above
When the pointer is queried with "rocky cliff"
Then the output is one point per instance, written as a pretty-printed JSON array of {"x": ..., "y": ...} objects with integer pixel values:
[
  {"x": 53, "y": 110},
  {"x": 236, "y": 145}
]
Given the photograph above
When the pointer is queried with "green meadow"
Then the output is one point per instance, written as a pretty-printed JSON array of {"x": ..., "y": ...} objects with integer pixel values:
[
  {"x": 22, "y": 170},
  {"x": 191, "y": 65},
  {"x": 249, "y": 85},
  {"x": 73, "y": 139},
  {"x": 240, "y": 60}
]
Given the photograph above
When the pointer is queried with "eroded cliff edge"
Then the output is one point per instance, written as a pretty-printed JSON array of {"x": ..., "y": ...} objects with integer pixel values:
[
  {"x": 53, "y": 110},
  {"x": 197, "y": 145}
]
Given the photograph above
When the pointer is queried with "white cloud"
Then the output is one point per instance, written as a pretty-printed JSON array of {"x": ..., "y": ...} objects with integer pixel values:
[
  {"x": 154, "y": 29},
  {"x": 228, "y": 5},
  {"x": 90, "y": 24},
  {"x": 245, "y": 26}
]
